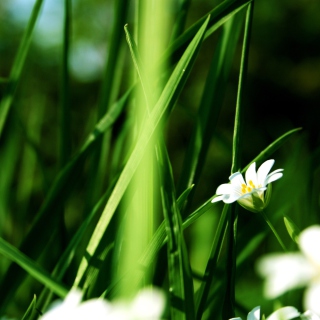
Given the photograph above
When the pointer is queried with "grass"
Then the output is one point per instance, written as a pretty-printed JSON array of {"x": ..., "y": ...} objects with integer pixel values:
[{"x": 119, "y": 210}]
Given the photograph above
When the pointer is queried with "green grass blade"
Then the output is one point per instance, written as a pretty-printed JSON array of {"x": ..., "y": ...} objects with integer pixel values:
[
  {"x": 180, "y": 278},
  {"x": 65, "y": 139},
  {"x": 292, "y": 229},
  {"x": 108, "y": 88},
  {"x": 16, "y": 71},
  {"x": 274, "y": 146},
  {"x": 31, "y": 310},
  {"x": 32, "y": 268},
  {"x": 229, "y": 301},
  {"x": 211, "y": 103},
  {"x": 164, "y": 104},
  {"x": 203, "y": 292},
  {"x": 218, "y": 16},
  {"x": 181, "y": 18}
]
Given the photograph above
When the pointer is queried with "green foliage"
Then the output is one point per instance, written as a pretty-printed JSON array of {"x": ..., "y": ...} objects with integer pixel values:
[{"x": 106, "y": 189}]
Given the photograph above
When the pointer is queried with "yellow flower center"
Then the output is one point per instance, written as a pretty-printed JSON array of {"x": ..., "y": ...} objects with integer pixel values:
[{"x": 247, "y": 188}]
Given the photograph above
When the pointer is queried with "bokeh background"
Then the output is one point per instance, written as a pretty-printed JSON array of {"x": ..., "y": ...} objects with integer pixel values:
[{"x": 282, "y": 93}]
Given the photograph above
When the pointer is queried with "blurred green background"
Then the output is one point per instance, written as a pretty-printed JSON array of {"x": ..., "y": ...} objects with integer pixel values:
[{"x": 282, "y": 93}]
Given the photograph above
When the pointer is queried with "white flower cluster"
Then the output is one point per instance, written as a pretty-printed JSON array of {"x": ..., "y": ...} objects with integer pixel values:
[
  {"x": 287, "y": 271},
  {"x": 286, "y": 313},
  {"x": 147, "y": 305}
]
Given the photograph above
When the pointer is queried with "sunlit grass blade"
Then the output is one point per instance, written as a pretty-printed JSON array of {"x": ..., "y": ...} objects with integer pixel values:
[
  {"x": 18, "y": 64},
  {"x": 164, "y": 104},
  {"x": 179, "y": 272},
  {"x": 157, "y": 241},
  {"x": 38, "y": 236},
  {"x": 32, "y": 268}
]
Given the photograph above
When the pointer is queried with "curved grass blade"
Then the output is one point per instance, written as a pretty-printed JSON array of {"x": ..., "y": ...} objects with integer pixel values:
[
  {"x": 16, "y": 71},
  {"x": 164, "y": 104},
  {"x": 274, "y": 146},
  {"x": 32, "y": 268}
]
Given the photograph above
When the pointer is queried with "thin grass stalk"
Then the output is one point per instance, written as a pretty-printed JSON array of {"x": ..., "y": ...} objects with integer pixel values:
[
  {"x": 65, "y": 119},
  {"x": 203, "y": 292},
  {"x": 229, "y": 302},
  {"x": 18, "y": 64}
]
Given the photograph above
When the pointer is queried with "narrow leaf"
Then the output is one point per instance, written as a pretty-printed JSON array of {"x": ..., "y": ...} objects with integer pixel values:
[
  {"x": 32, "y": 268},
  {"x": 292, "y": 229}
]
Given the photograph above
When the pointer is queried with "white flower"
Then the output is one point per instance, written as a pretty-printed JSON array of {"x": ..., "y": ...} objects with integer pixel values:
[
  {"x": 249, "y": 193},
  {"x": 292, "y": 270},
  {"x": 285, "y": 313},
  {"x": 147, "y": 305}
]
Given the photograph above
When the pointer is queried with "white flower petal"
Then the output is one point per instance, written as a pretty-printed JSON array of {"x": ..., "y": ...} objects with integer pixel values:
[
  {"x": 312, "y": 298},
  {"x": 254, "y": 314},
  {"x": 237, "y": 180},
  {"x": 308, "y": 315},
  {"x": 263, "y": 171},
  {"x": 284, "y": 272},
  {"x": 273, "y": 177},
  {"x": 225, "y": 188},
  {"x": 284, "y": 313},
  {"x": 148, "y": 305},
  {"x": 309, "y": 240},
  {"x": 251, "y": 174},
  {"x": 97, "y": 309},
  {"x": 231, "y": 198}
]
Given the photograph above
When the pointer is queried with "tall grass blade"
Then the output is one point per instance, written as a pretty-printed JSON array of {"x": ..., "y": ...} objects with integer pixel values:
[
  {"x": 211, "y": 103},
  {"x": 65, "y": 120},
  {"x": 229, "y": 302},
  {"x": 180, "y": 278},
  {"x": 164, "y": 104}
]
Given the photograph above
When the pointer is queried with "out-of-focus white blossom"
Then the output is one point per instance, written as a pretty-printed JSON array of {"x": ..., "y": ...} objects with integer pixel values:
[
  {"x": 249, "y": 193},
  {"x": 287, "y": 271},
  {"x": 285, "y": 313},
  {"x": 147, "y": 305}
]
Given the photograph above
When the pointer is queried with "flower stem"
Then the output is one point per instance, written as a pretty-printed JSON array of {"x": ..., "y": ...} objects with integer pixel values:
[{"x": 274, "y": 231}]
